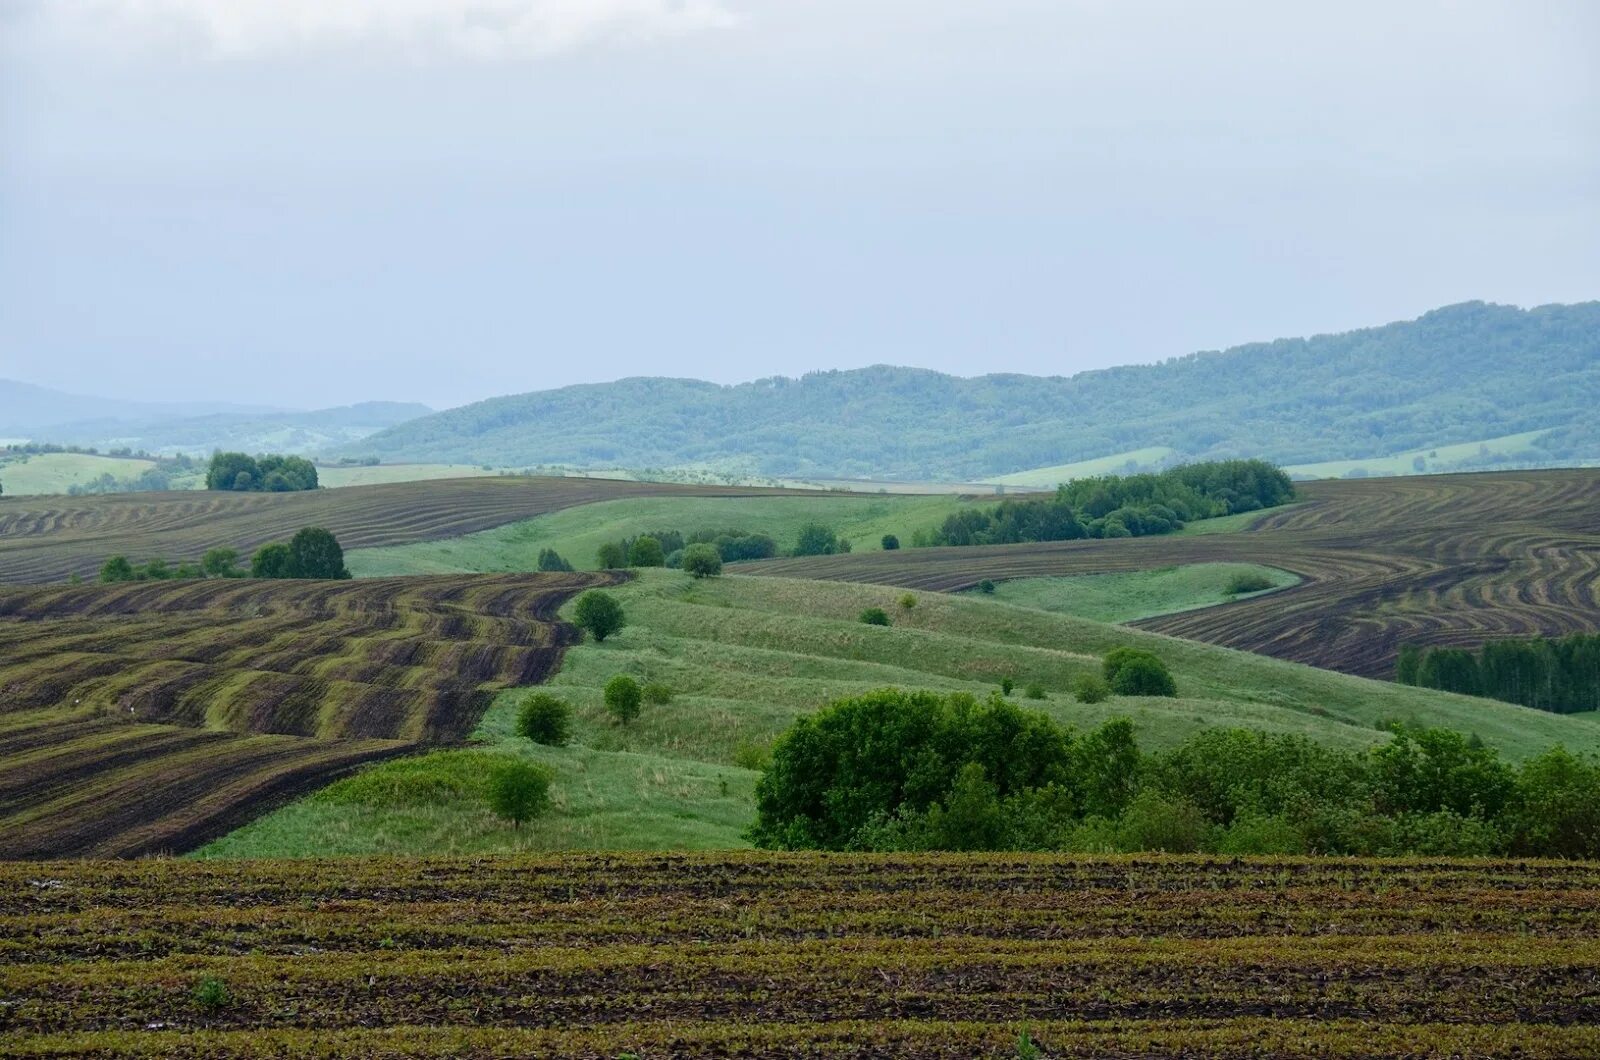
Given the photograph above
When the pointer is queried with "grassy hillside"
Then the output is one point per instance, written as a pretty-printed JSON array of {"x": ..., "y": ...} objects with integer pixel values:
[
  {"x": 1511, "y": 449},
  {"x": 578, "y": 532},
  {"x": 745, "y": 656},
  {"x": 372, "y": 475},
  {"x": 1150, "y": 458},
  {"x": 54, "y": 473},
  {"x": 1133, "y": 595},
  {"x": 1458, "y": 374}
]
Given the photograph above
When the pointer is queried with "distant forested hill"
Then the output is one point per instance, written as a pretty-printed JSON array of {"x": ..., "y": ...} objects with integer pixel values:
[{"x": 1459, "y": 374}]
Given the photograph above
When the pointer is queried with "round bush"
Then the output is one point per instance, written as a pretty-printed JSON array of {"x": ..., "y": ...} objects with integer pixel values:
[
  {"x": 623, "y": 696},
  {"x": 519, "y": 791},
  {"x": 875, "y": 616},
  {"x": 599, "y": 613},
  {"x": 1143, "y": 677},
  {"x": 545, "y": 719},
  {"x": 1090, "y": 688},
  {"x": 702, "y": 561}
]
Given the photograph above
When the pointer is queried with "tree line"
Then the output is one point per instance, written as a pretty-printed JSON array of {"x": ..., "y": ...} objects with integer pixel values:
[
  {"x": 1560, "y": 675},
  {"x": 312, "y": 553},
  {"x": 673, "y": 548},
  {"x": 271, "y": 473},
  {"x": 1120, "y": 505},
  {"x": 899, "y": 770}
]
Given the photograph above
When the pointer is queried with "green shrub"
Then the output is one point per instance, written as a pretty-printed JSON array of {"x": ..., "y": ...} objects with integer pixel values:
[
  {"x": 1248, "y": 582},
  {"x": 1006, "y": 685},
  {"x": 610, "y": 556},
  {"x": 1261, "y": 835},
  {"x": 1133, "y": 672},
  {"x": 908, "y": 602},
  {"x": 646, "y": 552},
  {"x": 986, "y": 587},
  {"x": 117, "y": 569},
  {"x": 545, "y": 719},
  {"x": 271, "y": 561},
  {"x": 752, "y": 755},
  {"x": 656, "y": 693},
  {"x": 599, "y": 613},
  {"x": 623, "y": 696},
  {"x": 815, "y": 539},
  {"x": 550, "y": 560},
  {"x": 1090, "y": 688},
  {"x": 519, "y": 791},
  {"x": 890, "y": 542},
  {"x": 702, "y": 560},
  {"x": 875, "y": 616},
  {"x": 1033, "y": 691},
  {"x": 433, "y": 779}
]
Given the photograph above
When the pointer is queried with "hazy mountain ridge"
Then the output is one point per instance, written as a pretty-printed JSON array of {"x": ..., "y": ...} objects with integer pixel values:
[
  {"x": 48, "y": 415},
  {"x": 1457, "y": 374}
]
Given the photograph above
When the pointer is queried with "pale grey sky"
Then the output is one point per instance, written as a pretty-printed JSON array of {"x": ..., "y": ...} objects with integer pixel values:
[{"x": 313, "y": 202}]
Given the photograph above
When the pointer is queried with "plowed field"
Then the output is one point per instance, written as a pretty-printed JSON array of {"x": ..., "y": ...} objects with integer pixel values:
[
  {"x": 156, "y": 715},
  {"x": 1441, "y": 560},
  {"x": 801, "y": 956},
  {"x": 50, "y": 538}
]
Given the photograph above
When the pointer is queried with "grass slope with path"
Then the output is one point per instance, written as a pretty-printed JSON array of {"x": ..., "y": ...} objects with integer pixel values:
[
  {"x": 1138, "y": 594},
  {"x": 745, "y": 955},
  {"x": 745, "y": 656}
]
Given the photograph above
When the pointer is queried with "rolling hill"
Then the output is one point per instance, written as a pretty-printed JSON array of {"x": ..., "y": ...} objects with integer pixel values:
[{"x": 1461, "y": 374}]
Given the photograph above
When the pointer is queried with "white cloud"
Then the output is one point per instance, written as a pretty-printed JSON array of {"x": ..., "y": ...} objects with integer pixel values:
[{"x": 480, "y": 29}]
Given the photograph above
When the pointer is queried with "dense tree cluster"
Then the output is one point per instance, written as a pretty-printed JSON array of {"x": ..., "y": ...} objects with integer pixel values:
[
  {"x": 1121, "y": 505},
  {"x": 897, "y": 770},
  {"x": 1559, "y": 675},
  {"x": 668, "y": 548},
  {"x": 273, "y": 474}
]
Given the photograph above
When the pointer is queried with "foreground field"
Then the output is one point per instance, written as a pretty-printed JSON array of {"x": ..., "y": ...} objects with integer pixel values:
[
  {"x": 151, "y": 716},
  {"x": 50, "y": 539},
  {"x": 801, "y": 956},
  {"x": 1440, "y": 560},
  {"x": 744, "y": 657}
]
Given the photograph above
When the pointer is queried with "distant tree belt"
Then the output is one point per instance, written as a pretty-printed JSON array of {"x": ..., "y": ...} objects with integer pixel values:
[
  {"x": 271, "y": 474},
  {"x": 1558, "y": 675},
  {"x": 1121, "y": 505}
]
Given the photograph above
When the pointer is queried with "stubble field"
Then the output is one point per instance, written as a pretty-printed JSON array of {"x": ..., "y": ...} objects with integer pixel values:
[
  {"x": 1435, "y": 560},
  {"x": 753, "y": 955},
  {"x": 151, "y": 716},
  {"x": 44, "y": 539}
]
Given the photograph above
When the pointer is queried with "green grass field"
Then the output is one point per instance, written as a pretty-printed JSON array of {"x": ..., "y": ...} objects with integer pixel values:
[
  {"x": 48, "y": 473},
  {"x": 1115, "y": 464},
  {"x": 578, "y": 533},
  {"x": 745, "y": 656},
  {"x": 1139, "y": 594},
  {"x": 358, "y": 475},
  {"x": 1434, "y": 458}
]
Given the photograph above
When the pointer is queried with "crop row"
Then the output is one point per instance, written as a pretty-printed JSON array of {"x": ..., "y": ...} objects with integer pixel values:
[
  {"x": 801, "y": 955},
  {"x": 50, "y": 538},
  {"x": 1442, "y": 560},
  {"x": 150, "y": 716}
]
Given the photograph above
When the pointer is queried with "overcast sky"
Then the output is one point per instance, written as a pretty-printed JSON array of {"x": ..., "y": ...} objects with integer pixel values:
[{"x": 312, "y": 202}]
